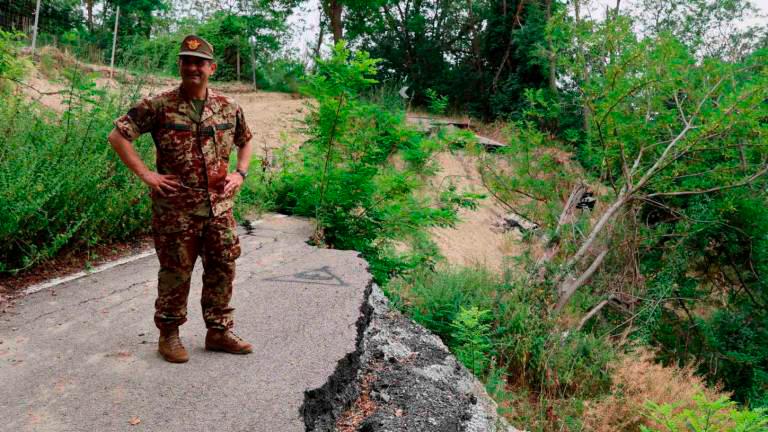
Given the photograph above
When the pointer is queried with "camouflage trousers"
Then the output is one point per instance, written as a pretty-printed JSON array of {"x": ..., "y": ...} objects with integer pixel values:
[{"x": 179, "y": 240}]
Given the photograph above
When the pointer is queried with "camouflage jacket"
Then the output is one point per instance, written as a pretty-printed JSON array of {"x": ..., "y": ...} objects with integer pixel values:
[{"x": 197, "y": 152}]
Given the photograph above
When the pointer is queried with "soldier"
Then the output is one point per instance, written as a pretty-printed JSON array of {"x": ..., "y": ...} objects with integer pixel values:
[{"x": 194, "y": 130}]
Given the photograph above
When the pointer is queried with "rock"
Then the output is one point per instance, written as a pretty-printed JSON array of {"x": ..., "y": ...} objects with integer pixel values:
[{"x": 416, "y": 382}]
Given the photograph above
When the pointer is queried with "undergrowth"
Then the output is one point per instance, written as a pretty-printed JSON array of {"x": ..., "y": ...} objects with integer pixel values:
[
  {"x": 61, "y": 183},
  {"x": 344, "y": 179},
  {"x": 499, "y": 327}
]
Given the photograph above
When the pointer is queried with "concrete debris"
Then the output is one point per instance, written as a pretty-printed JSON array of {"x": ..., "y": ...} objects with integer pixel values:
[
  {"x": 415, "y": 383},
  {"x": 512, "y": 221},
  {"x": 431, "y": 126}
]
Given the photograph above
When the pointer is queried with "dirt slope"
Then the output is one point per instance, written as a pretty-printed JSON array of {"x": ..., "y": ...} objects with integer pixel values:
[
  {"x": 275, "y": 120},
  {"x": 475, "y": 240}
]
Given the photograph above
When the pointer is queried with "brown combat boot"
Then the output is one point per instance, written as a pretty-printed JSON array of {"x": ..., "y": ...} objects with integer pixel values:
[
  {"x": 170, "y": 346},
  {"x": 226, "y": 341}
]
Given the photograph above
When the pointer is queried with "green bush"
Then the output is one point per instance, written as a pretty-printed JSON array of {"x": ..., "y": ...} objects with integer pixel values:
[
  {"x": 707, "y": 416},
  {"x": 471, "y": 335},
  {"x": 436, "y": 103},
  {"x": 11, "y": 66},
  {"x": 523, "y": 341},
  {"x": 343, "y": 177},
  {"x": 61, "y": 183}
]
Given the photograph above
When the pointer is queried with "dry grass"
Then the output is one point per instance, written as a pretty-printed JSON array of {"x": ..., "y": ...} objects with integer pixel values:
[
  {"x": 638, "y": 379},
  {"x": 363, "y": 407}
]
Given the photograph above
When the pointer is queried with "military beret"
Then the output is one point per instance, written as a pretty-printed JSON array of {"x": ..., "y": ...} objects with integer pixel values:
[{"x": 196, "y": 46}]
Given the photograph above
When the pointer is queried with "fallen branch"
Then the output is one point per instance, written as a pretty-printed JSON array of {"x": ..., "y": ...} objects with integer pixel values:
[
  {"x": 569, "y": 288},
  {"x": 593, "y": 312},
  {"x": 565, "y": 216}
]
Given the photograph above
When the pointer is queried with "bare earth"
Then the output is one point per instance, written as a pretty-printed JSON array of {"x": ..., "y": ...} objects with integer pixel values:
[
  {"x": 474, "y": 240},
  {"x": 276, "y": 121}
]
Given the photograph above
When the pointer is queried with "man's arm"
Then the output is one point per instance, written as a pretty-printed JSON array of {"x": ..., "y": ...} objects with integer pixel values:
[
  {"x": 160, "y": 183},
  {"x": 235, "y": 180}
]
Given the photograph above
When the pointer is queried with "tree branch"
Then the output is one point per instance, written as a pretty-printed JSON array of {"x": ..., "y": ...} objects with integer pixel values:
[
  {"x": 746, "y": 182},
  {"x": 593, "y": 312},
  {"x": 568, "y": 289}
]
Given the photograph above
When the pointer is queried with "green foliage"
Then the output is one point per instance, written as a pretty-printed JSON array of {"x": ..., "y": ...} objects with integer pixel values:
[
  {"x": 680, "y": 141},
  {"x": 281, "y": 74},
  {"x": 525, "y": 174},
  {"x": 707, "y": 416},
  {"x": 11, "y": 66},
  {"x": 471, "y": 334},
  {"x": 436, "y": 103},
  {"x": 61, "y": 183},
  {"x": 506, "y": 320},
  {"x": 57, "y": 16},
  {"x": 480, "y": 55},
  {"x": 344, "y": 179},
  {"x": 233, "y": 36}
]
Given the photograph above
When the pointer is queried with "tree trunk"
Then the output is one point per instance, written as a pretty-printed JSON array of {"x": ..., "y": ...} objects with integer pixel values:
[
  {"x": 89, "y": 13},
  {"x": 551, "y": 53},
  {"x": 320, "y": 35},
  {"x": 586, "y": 112},
  {"x": 333, "y": 9}
]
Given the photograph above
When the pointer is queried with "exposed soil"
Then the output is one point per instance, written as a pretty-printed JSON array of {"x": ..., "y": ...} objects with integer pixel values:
[
  {"x": 474, "y": 240},
  {"x": 276, "y": 120}
]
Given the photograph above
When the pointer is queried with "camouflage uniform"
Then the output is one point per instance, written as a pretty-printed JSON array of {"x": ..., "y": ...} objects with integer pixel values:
[{"x": 197, "y": 219}]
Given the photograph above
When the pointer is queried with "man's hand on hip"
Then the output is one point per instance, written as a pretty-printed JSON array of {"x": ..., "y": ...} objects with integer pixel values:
[
  {"x": 163, "y": 184},
  {"x": 232, "y": 182}
]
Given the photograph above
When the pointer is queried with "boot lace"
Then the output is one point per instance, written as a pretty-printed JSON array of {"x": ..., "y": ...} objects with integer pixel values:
[
  {"x": 174, "y": 342},
  {"x": 235, "y": 337}
]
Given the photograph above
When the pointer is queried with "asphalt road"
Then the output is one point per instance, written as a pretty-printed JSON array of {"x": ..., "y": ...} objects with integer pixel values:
[{"x": 82, "y": 356}]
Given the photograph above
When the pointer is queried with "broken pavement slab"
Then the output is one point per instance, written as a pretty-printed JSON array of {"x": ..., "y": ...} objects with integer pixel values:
[
  {"x": 402, "y": 378},
  {"x": 86, "y": 359},
  {"x": 431, "y": 125}
]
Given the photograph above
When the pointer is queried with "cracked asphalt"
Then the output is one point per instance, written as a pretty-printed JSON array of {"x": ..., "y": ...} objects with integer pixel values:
[{"x": 82, "y": 355}]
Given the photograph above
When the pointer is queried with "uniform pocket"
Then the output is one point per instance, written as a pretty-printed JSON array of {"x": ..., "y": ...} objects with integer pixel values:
[
  {"x": 222, "y": 237},
  {"x": 224, "y": 139}
]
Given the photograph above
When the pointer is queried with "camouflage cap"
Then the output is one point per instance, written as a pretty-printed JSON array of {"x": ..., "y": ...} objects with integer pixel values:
[{"x": 196, "y": 46}]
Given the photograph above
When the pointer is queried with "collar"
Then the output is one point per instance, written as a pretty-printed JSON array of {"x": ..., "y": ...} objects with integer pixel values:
[{"x": 211, "y": 107}]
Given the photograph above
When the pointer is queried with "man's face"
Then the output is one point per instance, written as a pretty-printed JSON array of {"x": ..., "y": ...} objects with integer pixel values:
[{"x": 195, "y": 70}]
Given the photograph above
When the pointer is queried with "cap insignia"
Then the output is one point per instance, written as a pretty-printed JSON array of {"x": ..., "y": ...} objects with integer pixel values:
[{"x": 193, "y": 44}]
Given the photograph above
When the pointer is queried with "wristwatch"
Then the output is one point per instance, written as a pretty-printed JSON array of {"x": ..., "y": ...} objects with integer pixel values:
[{"x": 243, "y": 174}]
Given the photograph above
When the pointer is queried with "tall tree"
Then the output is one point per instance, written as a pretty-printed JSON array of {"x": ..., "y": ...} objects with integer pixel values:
[
  {"x": 333, "y": 11},
  {"x": 480, "y": 53}
]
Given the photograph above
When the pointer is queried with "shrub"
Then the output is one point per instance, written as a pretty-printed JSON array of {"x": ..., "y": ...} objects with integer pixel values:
[
  {"x": 707, "y": 415},
  {"x": 471, "y": 336},
  {"x": 343, "y": 179},
  {"x": 11, "y": 66},
  {"x": 522, "y": 336},
  {"x": 436, "y": 103},
  {"x": 60, "y": 181},
  {"x": 637, "y": 379}
]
